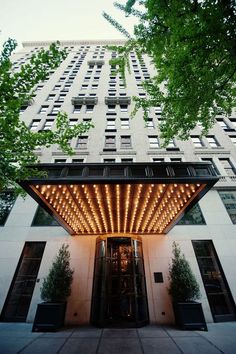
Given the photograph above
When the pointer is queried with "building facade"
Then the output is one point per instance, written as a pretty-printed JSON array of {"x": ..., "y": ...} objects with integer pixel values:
[{"x": 88, "y": 89}]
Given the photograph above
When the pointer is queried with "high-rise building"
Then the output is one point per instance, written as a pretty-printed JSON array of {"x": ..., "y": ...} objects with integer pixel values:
[{"x": 118, "y": 199}]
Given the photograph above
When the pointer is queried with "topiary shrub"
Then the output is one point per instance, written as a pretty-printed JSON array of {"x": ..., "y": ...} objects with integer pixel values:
[
  {"x": 183, "y": 284},
  {"x": 56, "y": 286}
]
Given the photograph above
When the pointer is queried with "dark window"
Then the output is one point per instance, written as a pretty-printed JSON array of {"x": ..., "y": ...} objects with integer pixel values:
[
  {"x": 229, "y": 200},
  {"x": 125, "y": 142},
  {"x": 42, "y": 218},
  {"x": 193, "y": 217},
  {"x": 20, "y": 294},
  {"x": 110, "y": 141},
  {"x": 7, "y": 199},
  {"x": 82, "y": 142},
  {"x": 219, "y": 296},
  {"x": 208, "y": 159},
  {"x": 197, "y": 141},
  {"x": 228, "y": 167}
]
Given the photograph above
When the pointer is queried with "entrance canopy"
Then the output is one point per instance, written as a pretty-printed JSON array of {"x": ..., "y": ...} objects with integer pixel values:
[{"x": 102, "y": 198}]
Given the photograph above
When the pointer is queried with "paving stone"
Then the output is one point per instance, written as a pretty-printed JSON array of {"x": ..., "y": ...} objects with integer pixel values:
[
  {"x": 89, "y": 332},
  {"x": 159, "y": 346},
  {"x": 44, "y": 345},
  {"x": 80, "y": 345},
  {"x": 175, "y": 332},
  {"x": 152, "y": 331},
  {"x": 119, "y": 345},
  {"x": 119, "y": 333},
  {"x": 197, "y": 345},
  {"x": 11, "y": 345}
]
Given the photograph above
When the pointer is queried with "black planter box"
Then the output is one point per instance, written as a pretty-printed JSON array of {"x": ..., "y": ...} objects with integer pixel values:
[
  {"x": 49, "y": 317},
  {"x": 189, "y": 315}
]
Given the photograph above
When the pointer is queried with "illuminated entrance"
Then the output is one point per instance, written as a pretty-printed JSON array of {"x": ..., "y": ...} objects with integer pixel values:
[
  {"x": 119, "y": 289},
  {"x": 135, "y": 198}
]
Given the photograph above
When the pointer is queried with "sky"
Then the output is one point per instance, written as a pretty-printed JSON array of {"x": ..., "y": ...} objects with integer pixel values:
[{"x": 32, "y": 20}]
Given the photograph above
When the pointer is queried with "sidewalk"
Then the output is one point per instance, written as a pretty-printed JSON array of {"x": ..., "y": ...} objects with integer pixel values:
[{"x": 18, "y": 338}]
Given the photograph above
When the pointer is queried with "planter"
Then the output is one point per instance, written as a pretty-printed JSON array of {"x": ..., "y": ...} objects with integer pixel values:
[
  {"x": 189, "y": 315},
  {"x": 49, "y": 316}
]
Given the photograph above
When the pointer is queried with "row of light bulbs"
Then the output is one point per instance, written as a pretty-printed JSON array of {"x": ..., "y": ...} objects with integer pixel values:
[{"x": 140, "y": 208}]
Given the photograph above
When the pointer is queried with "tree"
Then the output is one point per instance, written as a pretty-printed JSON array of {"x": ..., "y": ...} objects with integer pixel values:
[
  {"x": 183, "y": 284},
  {"x": 57, "y": 285},
  {"x": 192, "y": 44},
  {"x": 17, "y": 142}
]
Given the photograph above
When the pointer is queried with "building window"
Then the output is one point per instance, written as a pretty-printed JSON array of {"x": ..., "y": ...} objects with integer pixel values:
[
  {"x": 222, "y": 123},
  {"x": 57, "y": 87},
  {"x": 228, "y": 167},
  {"x": 111, "y": 124},
  {"x": 82, "y": 142},
  {"x": 125, "y": 142},
  {"x": 218, "y": 292},
  {"x": 233, "y": 139},
  {"x": 110, "y": 141},
  {"x": 55, "y": 110},
  {"x": 171, "y": 144},
  {"x": 212, "y": 141},
  {"x": 111, "y": 108},
  {"x": 109, "y": 160},
  {"x": 176, "y": 159},
  {"x": 153, "y": 142},
  {"x": 48, "y": 124},
  {"x": 77, "y": 160},
  {"x": 125, "y": 123},
  {"x": 7, "y": 200},
  {"x": 61, "y": 97},
  {"x": 43, "y": 109},
  {"x": 150, "y": 123},
  {"x": 123, "y": 107},
  {"x": 51, "y": 97},
  {"x": 89, "y": 108},
  {"x": 34, "y": 124},
  {"x": 193, "y": 217},
  {"x": 77, "y": 109},
  {"x": 72, "y": 122},
  {"x": 60, "y": 160},
  {"x": 127, "y": 160},
  {"x": 42, "y": 218},
  {"x": 157, "y": 159},
  {"x": 197, "y": 142},
  {"x": 229, "y": 200},
  {"x": 208, "y": 159},
  {"x": 19, "y": 297},
  {"x": 157, "y": 110},
  {"x": 233, "y": 122}
]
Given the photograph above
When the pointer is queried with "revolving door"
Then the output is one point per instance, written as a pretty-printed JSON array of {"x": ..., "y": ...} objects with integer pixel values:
[{"x": 119, "y": 289}]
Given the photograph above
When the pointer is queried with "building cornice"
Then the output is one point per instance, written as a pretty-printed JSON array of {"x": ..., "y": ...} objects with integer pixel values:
[{"x": 75, "y": 42}]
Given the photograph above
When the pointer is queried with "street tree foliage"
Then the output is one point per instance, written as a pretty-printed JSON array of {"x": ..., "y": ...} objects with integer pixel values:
[
  {"x": 17, "y": 142},
  {"x": 192, "y": 45}
]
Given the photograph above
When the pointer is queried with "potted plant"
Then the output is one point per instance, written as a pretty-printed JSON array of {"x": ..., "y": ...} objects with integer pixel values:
[
  {"x": 184, "y": 290},
  {"x": 55, "y": 289}
]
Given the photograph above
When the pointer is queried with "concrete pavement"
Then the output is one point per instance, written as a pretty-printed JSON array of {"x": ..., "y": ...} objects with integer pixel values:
[{"x": 18, "y": 338}]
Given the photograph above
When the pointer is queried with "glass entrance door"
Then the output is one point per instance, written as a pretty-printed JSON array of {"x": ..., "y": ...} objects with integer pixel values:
[{"x": 119, "y": 292}]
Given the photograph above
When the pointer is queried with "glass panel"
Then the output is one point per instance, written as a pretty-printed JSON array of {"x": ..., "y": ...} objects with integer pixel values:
[
  {"x": 120, "y": 282},
  {"x": 42, "y": 218},
  {"x": 229, "y": 200},
  {"x": 219, "y": 296},
  {"x": 19, "y": 297},
  {"x": 193, "y": 217}
]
